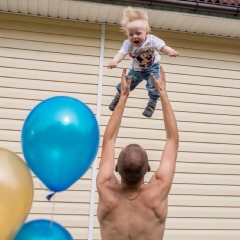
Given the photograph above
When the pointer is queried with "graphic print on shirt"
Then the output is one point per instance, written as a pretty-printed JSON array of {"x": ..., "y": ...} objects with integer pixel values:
[{"x": 144, "y": 56}]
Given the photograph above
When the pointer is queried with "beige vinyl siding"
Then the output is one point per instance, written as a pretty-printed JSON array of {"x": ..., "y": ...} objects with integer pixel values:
[
  {"x": 42, "y": 58},
  {"x": 204, "y": 88}
]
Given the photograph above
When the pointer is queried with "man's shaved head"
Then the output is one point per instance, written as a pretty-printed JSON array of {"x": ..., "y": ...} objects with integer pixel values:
[{"x": 132, "y": 163}]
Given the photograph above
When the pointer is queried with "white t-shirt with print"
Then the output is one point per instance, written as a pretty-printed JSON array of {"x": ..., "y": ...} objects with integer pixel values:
[{"x": 144, "y": 56}]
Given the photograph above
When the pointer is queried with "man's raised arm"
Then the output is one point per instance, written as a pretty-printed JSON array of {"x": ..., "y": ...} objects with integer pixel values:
[
  {"x": 106, "y": 166},
  {"x": 166, "y": 169}
]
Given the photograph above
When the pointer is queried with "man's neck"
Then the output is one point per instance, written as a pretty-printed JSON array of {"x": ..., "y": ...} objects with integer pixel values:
[{"x": 133, "y": 186}]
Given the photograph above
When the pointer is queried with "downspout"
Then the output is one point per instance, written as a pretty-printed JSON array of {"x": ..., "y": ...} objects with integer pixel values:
[{"x": 98, "y": 114}]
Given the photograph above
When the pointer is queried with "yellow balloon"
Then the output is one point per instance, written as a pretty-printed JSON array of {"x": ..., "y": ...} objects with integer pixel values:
[{"x": 16, "y": 193}]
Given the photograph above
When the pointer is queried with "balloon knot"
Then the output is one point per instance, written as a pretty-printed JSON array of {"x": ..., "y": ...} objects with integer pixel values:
[{"x": 48, "y": 197}]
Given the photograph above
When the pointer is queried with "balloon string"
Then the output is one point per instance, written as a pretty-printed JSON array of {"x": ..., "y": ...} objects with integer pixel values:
[{"x": 53, "y": 209}]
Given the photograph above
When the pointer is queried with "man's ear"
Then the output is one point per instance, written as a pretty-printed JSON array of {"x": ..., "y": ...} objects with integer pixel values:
[
  {"x": 116, "y": 168},
  {"x": 149, "y": 168}
]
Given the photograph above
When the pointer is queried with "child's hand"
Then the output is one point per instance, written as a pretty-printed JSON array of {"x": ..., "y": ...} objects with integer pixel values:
[
  {"x": 112, "y": 64},
  {"x": 173, "y": 53},
  {"x": 169, "y": 51}
]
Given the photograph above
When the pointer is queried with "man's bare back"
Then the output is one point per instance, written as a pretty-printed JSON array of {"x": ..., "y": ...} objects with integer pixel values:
[
  {"x": 123, "y": 219},
  {"x": 129, "y": 209}
]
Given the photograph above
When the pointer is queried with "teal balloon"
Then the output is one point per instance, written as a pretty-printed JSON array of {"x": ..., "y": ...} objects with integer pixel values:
[
  {"x": 43, "y": 230},
  {"x": 60, "y": 140}
]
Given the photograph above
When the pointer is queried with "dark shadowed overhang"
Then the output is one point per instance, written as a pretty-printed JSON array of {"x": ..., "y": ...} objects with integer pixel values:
[{"x": 206, "y": 17}]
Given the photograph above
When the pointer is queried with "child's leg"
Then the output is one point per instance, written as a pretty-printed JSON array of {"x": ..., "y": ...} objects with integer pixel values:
[
  {"x": 114, "y": 102},
  {"x": 136, "y": 79},
  {"x": 152, "y": 92}
]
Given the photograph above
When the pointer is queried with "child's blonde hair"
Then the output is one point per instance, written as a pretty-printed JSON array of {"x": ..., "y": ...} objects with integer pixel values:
[{"x": 132, "y": 14}]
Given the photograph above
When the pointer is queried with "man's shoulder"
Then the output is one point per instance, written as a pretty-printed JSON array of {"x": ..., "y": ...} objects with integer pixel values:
[
  {"x": 154, "y": 187},
  {"x": 109, "y": 185},
  {"x": 108, "y": 194}
]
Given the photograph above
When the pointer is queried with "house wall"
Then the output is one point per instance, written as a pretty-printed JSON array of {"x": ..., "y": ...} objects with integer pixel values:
[{"x": 42, "y": 58}]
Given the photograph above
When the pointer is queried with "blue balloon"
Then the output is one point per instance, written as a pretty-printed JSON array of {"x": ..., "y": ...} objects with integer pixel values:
[
  {"x": 60, "y": 140},
  {"x": 43, "y": 230}
]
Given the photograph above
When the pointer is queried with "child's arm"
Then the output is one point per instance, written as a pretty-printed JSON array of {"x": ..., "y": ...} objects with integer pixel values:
[
  {"x": 117, "y": 59},
  {"x": 170, "y": 51}
]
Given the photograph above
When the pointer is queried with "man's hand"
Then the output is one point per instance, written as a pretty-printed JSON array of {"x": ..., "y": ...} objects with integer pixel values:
[
  {"x": 125, "y": 84},
  {"x": 112, "y": 64},
  {"x": 160, "y": 83}
]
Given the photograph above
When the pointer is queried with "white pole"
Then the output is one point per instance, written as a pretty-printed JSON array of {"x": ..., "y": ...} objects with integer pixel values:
[{"x": 94, "y": 166}]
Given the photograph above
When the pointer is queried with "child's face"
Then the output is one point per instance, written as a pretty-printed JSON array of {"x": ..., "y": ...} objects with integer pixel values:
[{"x": 136, "y": 32}]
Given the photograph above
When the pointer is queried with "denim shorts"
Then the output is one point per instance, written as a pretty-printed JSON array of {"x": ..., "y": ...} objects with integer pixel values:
[{"x": 144, "y": 74}]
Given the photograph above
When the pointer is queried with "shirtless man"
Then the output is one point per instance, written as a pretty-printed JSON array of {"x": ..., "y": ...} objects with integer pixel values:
[{"x": 130, "y": 209}]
